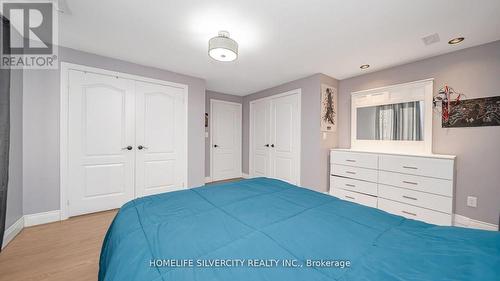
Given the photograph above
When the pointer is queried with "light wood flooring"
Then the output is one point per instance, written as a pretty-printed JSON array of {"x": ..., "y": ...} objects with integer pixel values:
[
  {"x": 223, "y": 181},
  {"x": 61, "y": 251}
]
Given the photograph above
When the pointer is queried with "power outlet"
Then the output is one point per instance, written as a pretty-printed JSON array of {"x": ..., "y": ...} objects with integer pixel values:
[{"x": 472, "y": 201}]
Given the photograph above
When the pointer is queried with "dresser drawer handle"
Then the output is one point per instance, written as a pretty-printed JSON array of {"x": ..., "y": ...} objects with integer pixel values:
[
  {"x": 410, "y": 182},
  {"x": 349, "y": 172},
  {"x": 408, "y": 197},
  {"x": 410, "y": 167},
  {"x": 350, "y": 160},
  {"x": 408, "y": 213},
  {"x": 350, "y": 185},
  {"x": 350, "y": 197}
]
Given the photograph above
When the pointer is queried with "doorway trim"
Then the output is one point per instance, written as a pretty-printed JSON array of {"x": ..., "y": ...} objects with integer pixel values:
[
  {"x": 65, "y": 68},
  {"x": 298, "y": 92},
  {"x": 240, "y": 147}
]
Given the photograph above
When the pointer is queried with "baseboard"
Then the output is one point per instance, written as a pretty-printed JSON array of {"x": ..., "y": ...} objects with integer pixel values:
[
  {"x": 245, "y": 176},
  {"x": 462, "y": 221},
  {"x": 208, "y": 179},
  {"x": 42, "y": 218},
  {"x": 12, "y": 231}
]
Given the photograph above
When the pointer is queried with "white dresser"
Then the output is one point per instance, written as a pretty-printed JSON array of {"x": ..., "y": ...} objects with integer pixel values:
[{"x": 418, "y": 187}]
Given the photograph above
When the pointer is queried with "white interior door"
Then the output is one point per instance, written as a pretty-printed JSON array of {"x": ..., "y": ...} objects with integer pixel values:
[
  {"x": 285, "y": 138},
  {"x": 260, "y": 138},
  {"x": 100, "y": 142},
  {"x": 226, "y": 140},
  {"x": 160, "y": 139},
  {"x": 275, "y": 137}
]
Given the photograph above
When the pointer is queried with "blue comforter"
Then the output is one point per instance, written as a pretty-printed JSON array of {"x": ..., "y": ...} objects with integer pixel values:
[{"x": 264, "y": 229}]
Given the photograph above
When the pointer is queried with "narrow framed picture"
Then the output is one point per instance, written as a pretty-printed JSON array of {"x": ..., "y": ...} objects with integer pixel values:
[{"x": 328, "y": 108}]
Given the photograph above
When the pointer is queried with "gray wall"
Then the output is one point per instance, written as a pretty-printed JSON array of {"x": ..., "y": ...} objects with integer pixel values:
[
  {"x": 314, "y": 150},
  {"x": 15, "y": 185},
  {"x": 217, "y": 96},
  {"x": 474, "y": 72},
  {"x": 15, "y": 188},
  {"x": 41, "y": 125}
]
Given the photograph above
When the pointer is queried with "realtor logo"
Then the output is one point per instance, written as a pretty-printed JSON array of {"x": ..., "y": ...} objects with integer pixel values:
[{"x": 29, "y": 35}]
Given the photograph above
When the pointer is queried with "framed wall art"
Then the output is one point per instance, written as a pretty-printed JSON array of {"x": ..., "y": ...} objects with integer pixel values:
[{"x": 328, "y": 108}]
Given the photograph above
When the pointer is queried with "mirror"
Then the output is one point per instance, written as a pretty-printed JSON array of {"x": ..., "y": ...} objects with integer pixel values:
[{"x": 399, "y": 121}]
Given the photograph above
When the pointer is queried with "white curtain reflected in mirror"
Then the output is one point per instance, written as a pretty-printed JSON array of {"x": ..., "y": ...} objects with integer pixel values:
[{"x": 401, "y": 121}]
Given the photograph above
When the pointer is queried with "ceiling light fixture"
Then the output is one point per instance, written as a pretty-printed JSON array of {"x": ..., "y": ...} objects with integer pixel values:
[
  {"x": 456, "y": 40},
  {"x": 364, "y": 66},
  {"x": 223, "y": 48}
]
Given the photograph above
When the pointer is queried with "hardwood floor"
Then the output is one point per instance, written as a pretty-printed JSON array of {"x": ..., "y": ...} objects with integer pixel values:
[
  {"x": 61, "y": 251},
  {"x": 223, "y": 181}
]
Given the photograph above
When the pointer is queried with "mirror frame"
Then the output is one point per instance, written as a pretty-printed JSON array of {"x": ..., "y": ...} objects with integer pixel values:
[{"x": 408, "y": 92}]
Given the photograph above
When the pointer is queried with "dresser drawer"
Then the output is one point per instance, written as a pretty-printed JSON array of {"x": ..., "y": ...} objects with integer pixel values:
[
  {"x": 363, "y": 199},
  {"x": 354, "y": 185},
  {"x": 355, "y": 172},
  {"x": 420, "y": 166},
  {"x": 413, "y": 212},
  {"x": 419, "y": 183},
  {"x": 417, "y": 198},
  {"x": 364, "y": 160}
]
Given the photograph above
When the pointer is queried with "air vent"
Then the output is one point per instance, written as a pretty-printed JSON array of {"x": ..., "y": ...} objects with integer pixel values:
[{"x": 431, "y": 39}]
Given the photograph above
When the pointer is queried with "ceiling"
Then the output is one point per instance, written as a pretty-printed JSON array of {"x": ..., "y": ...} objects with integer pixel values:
[{"x": 279, "y": 41}]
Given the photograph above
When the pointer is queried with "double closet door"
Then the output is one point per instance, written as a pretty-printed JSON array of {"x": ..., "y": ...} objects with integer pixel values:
[
  {"x": 126, "y": 139},
  {"x": 275, "y": 137}
]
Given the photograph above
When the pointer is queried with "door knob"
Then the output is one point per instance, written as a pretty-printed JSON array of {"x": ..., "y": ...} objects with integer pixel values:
[
  {"x": 140, "y": 147},
  {"x": 127, "y": 148},
  {"x": 272, "y": 145},
  {"x": 216, "y": 145},
  {"x": 267, "y": 145}
]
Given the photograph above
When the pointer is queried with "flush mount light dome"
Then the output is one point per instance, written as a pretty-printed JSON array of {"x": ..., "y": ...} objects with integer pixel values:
[
  {"x": 223, "y": 48},
  {"x": 364, "y": 66},
  {"x": 456, "y": 40}
]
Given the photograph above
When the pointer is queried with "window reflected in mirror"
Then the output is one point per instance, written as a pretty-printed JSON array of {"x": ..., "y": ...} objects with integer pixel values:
[{"x": 401, "y": 122}]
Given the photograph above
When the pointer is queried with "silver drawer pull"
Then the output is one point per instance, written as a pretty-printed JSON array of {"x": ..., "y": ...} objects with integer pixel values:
[
  {"x": 410, "y": 167},
  {"x": 408, "y": 197},
  {"x": 410, "y": 182},
  {"x": 408, "y": 213},
  {"x": 349, "y": 172},
  {"x": 350, "y": 160},
  {"x": 350, "y": 185},
  {"x": 350, "y": 197}
]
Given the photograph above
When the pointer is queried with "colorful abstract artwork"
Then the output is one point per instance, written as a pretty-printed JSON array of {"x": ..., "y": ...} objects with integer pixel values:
[{"x": 473, "y": 113}]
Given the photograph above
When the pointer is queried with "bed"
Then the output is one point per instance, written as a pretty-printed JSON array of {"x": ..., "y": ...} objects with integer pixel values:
[{"x": 266, "y": 229}]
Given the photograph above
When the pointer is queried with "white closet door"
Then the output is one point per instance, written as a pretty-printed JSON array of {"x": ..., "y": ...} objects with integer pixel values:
[
  {"x": 160, "y": 139},
  {"x": 226, "y": 140},
  {"x": 100, "y": 128},
  {"x": 285, "y": 138},
  {"x": 260, "y": 136}
]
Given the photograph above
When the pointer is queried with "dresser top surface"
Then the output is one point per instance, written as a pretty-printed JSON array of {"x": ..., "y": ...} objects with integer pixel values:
[{"x": 438, "y": 156}]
